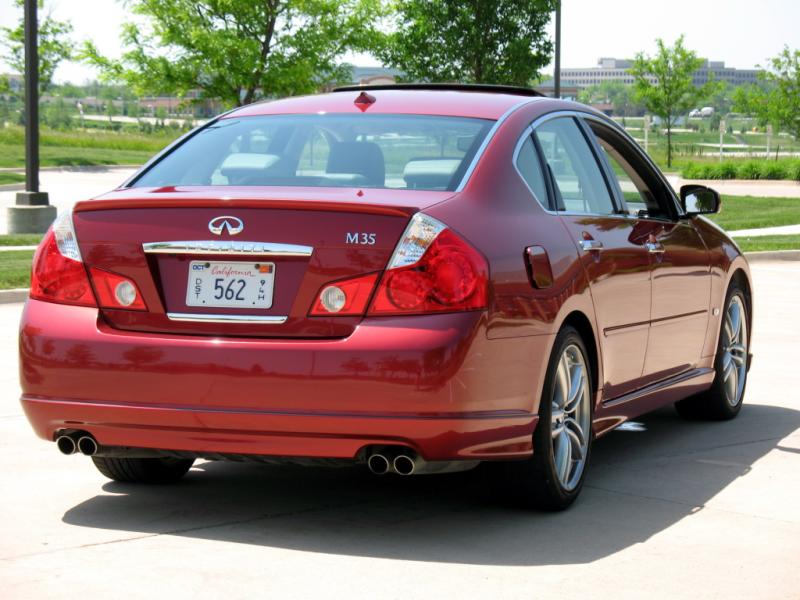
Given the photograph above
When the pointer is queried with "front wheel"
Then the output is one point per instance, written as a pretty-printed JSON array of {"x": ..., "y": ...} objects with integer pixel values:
[
  {"x": 724, "y": 399},
  {"x": 553, "y": 477},
  {"x": 143, "y": 470}
]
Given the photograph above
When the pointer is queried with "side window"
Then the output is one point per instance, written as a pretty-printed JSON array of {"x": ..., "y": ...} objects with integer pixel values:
[
  {"x": 531, "y": 170},
  {"x": 580, "y": 185}
]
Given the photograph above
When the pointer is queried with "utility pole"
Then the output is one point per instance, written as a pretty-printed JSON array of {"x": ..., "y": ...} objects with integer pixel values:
[
  {"x": 32, "y": 212},
  {"x": 557, "y": 74}
]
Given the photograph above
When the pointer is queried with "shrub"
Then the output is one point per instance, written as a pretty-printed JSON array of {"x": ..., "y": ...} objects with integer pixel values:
[
  {"x": 773, "y": 169},
  {"x": 750, "y": 169}
]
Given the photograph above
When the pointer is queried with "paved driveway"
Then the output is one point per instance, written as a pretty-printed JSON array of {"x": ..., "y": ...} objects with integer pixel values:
[{"x": 682, "y": 510}]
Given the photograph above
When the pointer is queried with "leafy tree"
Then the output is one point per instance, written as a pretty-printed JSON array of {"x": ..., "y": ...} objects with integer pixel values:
[
  {"x": 54, "y": 45},
  {"x": 474, "y": 41},
  {"x": 664, "y": 83},
  {"x": 776, "y": 99},
  {"x": 236, "y": 51},
  {"x": 620, "y": 95}
]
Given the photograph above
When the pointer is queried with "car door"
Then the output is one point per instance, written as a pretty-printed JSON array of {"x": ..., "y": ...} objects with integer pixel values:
[
  {"x": 611, "y": 246},
  {"x": 681, "y": 280}
]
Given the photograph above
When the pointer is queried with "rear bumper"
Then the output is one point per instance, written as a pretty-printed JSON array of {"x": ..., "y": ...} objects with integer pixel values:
[{"x": 434, "y": 383}]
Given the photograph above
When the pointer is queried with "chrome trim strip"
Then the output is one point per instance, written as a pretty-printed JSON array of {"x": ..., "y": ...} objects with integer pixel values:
[
  {"x": 482, "y": 148},
  {"x": 226, "y": 247},
  {"x": 207, "y": 318}
]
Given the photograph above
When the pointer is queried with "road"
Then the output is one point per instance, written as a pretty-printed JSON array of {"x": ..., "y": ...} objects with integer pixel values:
[{"x": 681, "y": 510}]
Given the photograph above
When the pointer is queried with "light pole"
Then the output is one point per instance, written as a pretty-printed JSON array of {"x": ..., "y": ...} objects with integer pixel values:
[
  {"x": 557, "y": 74},
  {"x": 32, "y": 212}
]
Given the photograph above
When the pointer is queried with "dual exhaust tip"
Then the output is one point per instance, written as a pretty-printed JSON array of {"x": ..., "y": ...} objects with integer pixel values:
[
  {"x": 402, "y": 464},
  {"x": 72, "y": 444}
]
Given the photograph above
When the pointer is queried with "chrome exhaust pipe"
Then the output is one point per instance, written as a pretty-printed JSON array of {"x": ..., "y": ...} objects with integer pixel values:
[
  {"x": 66, "y": 445},
  {"x": 378, "y": 464},
  {"x": 87, "y": 446},
  {"x": 405, "y": 464}
]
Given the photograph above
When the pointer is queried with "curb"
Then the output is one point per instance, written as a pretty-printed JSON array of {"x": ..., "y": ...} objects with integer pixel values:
[
  {"x": 772, "y": 255},
  {"x": 12, "y": 187},
  {"x": 15, "y": 295}
]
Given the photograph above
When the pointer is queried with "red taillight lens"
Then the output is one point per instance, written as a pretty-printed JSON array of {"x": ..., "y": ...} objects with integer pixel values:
[
  {"x": 57, "y": 277},
  {"x": 450, "y": 275},
  {"x": 347, "y": 297},
  {"x": 116, "y": 291}
]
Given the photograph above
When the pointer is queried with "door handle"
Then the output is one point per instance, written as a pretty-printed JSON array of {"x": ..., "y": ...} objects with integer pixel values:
[
  {"x": 655, "y": 248},
  {"x": 589, "y": 245}
]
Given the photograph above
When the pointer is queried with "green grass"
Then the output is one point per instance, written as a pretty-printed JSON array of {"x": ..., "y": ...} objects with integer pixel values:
[
  {"x": 83, "y": 147},
  {"x": 20, "y": 239},
  {"x": 749, "y": 212},
  {"x": 15, "y": 269},
  {"x": 6, "y": 178},
  {"x": 769, "y": 242}
]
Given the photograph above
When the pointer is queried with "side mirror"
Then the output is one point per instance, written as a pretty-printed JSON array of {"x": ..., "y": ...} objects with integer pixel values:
[{"x": 699, "y": 200}]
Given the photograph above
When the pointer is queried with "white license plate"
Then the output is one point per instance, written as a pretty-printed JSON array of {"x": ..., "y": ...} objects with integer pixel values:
[{"x": 230, "y": 284}]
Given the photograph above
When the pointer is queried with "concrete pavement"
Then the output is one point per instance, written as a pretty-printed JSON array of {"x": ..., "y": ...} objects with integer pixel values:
[{"x": 682, "y": 510}]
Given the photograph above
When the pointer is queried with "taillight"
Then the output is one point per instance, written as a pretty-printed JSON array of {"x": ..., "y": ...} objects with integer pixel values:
[
  {"x": 432, "y": 270},
  {"x": 58, "y": 273},
  {"x": 346, "y": 297},
  {"x": 116, "y": 291}
]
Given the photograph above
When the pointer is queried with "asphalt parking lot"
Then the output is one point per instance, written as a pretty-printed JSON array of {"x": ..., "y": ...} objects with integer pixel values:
[{"x": 679, "y": 510}]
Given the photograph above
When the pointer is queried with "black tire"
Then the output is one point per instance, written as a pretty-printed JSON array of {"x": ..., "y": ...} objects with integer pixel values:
[
  {"x": 535, "y": 481},
  {"x": 143, "y": 470},
  {"x": 713, "y": 404}
]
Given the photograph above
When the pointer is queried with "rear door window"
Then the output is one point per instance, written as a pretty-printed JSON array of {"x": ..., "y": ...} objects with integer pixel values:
[{"x": 580, "y": 186}]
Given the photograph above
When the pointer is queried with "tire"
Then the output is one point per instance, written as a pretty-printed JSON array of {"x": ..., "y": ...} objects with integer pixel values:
[
  {"x": 538, "y": 482},
  {"x": 143, "y": 470},
  {"x": 723, "y": 400}
]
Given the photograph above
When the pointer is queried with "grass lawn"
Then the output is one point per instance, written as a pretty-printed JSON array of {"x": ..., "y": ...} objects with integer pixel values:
[
  {"x": 15, "y": 269},
  {"x": 21, "y": 239},
  {"x": 749, "y": 212},
  {"x": 83, "y": 147},
  {"x": 6, "y": 178},
  {"x": 769, "y": 242}
]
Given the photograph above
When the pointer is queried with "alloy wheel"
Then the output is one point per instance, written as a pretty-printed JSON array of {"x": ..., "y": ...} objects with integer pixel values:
[{"x": 734, "y": 351}]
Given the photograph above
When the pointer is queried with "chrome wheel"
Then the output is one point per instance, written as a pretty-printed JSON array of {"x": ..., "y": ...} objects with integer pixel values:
[
  {"x": 734, "y": 351},
  {"x": 571, "y": 417}
]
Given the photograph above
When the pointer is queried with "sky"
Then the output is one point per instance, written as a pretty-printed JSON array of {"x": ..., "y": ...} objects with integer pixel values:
[{"x": 743, "y": 33}]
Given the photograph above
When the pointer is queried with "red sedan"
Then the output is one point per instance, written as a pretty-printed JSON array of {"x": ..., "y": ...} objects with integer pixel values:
[{"x": 414, "y": 278}]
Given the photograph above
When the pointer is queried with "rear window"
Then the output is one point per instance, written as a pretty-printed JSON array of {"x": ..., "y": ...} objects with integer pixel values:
[{"x": 330, "y": 150}]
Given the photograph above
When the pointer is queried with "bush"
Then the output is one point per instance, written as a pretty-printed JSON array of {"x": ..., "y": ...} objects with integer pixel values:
[{"x": 787, "y": 168}]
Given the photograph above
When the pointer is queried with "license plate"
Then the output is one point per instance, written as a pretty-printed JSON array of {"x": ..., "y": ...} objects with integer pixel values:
[{"x": 230, "y": 284}]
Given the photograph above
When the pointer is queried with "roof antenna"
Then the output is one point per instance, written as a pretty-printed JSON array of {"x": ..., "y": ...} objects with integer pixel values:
[{"x": 364, "y": 101}]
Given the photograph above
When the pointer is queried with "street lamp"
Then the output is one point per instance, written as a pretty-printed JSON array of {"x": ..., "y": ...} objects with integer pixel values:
[
  {"x": 557, "y": 74},
  {"x": 32, "y": 212}
]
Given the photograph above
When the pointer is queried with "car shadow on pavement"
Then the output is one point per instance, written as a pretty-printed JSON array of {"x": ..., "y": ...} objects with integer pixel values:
[{"x": 639, "y": 484}]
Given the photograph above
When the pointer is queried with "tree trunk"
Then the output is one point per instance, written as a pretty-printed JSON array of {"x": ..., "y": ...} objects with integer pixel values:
[{"x": 669, "y": 141}]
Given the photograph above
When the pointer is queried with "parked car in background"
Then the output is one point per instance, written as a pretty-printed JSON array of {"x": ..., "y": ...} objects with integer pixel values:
[{"x": 414, "y": 278}]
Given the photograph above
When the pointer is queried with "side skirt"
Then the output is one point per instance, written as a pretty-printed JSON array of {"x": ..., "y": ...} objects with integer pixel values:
[{"x": 613, "y": 413}]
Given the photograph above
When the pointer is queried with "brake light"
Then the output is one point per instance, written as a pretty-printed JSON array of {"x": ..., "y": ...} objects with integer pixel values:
[
  {"x": 116, "y": 291},
  {"x": 58, "y": 273},
  {"x": 346, "y": 297},
  {"x": 432, "y": 270}
]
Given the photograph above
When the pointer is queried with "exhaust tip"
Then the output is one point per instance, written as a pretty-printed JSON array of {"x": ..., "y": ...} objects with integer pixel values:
[
  {"x": 66, "y": 445},
  {"x": 87, "y": 445},
  {"x": 404, "y": 464},
  {"x": 378, "y": 464}
]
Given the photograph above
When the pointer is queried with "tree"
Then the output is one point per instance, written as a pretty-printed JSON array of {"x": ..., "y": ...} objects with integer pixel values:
[
  {"x": 236, "y": 51},
  {"x": 470, "y": 41},
  {"x": 664, "y": 83},
  {"x": 618, "y": 94},
  {"x": 54, "y": 45},
  {"x": 776, "y": 100}
]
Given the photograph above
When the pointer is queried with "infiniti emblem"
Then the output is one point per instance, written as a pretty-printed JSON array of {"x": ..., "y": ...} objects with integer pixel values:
[{"x": 219, "y": 224}]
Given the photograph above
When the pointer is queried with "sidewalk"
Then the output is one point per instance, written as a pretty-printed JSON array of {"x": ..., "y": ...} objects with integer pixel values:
[{"x": 740, "y": 187}]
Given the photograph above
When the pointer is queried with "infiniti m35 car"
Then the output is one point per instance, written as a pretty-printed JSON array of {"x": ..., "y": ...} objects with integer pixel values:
[{"x": 413, "y": 278}]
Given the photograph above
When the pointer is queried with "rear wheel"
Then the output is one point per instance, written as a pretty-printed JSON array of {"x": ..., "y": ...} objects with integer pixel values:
[
  {"x": 143, "y": 470},
  {"x": 553, "y": 477},
  {"x": 724, "y": 399}
]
